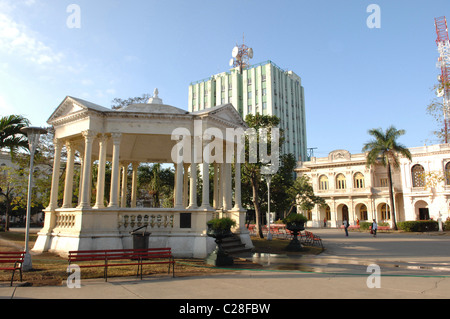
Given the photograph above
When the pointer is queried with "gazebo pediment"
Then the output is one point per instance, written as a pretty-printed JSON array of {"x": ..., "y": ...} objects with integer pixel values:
[
  {"x": 224, "y": 113},
  {"x": 74, "y": 106}
]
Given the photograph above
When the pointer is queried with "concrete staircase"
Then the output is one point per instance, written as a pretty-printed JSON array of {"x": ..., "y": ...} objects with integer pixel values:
[{"x": 234, "y": 247}]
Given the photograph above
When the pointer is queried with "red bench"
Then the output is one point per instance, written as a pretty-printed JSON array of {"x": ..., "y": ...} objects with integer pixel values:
[
  {"x": 312, "y": 239},
  {"x": 15, "y": 261},
  {"x": 122, "y": 257}
]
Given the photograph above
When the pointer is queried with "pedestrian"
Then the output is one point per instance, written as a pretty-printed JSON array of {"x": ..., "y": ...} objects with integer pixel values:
[
  {"x": 325, "y": 222},
  {"x": 374, "y": 228},
  {"x": 346, "y": 225}
]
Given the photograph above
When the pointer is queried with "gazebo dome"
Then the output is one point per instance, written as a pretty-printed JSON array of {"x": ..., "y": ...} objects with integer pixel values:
[
  {"x": 153, "y": 105},
  {"x": 152, "y": 108}
]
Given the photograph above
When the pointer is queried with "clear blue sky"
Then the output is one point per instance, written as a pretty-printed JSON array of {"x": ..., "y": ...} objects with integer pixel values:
[{"x": 355, "y": 78}]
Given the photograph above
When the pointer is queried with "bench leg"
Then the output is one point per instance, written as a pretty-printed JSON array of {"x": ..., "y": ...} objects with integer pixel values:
[{"x": 12, "y": 277}]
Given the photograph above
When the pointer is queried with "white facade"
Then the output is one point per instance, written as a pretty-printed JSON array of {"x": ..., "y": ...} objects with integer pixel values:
[
  {"x": 360, "y": 193},
  {"x": 138, "y": 133},
  {"x": 426, "y": 182}
]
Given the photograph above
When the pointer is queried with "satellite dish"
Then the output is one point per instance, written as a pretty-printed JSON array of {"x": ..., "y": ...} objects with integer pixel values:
[
  {"x": 235, "y": 52},
  {"x": 250, "y": 53},
  {"x": 231, "y": 62},
  {"x": 440, "y": 92}
]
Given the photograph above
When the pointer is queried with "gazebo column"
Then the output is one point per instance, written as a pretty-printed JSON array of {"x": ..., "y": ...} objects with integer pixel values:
[
  {"x": 123, "y": 199},
  {"x": 205, "y": 188},
  {"x": 237, "y": 185},
  {"x": 80, "y": 182},
  {"x": 179, "y": 186},
  {"x": 101, "y": 172},
  {"x": 193, "y": 186},
  {"x": 68, "y": 185},
  {"x": 85, "y": 196},
  {"x": 227, "y": 186},
  {"x": 185, "y": 185},
  {"x": 55, "y": 175},
  {"x": 135, "y": 166},
  {"x": 205, "y": 177},
  {"x": 119, "y": 188},
  {"x": 220, "y": 186},
  {"x": 216, "y": 187},
  {"x": 113, "y": 197}
]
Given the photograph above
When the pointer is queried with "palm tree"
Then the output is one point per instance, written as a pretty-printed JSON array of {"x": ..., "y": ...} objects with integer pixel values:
[
  {"x": 384, "y": 149},
  {"x": 10, "y": 135}
]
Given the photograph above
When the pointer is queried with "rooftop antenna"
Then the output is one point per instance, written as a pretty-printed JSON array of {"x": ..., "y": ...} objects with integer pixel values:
[
  {"x": 443, "y": 91},
  {"x": 241, "y": 55}
]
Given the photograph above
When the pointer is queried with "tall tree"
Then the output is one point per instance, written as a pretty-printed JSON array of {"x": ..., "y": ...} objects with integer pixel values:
[
  {"x": 302, "y": 194},
  {"x": 10, "y": 135},
  {"x": 384, "y": 150},
  {"x": 158, "y": 182},
  {"x": 251, "y": 172}
]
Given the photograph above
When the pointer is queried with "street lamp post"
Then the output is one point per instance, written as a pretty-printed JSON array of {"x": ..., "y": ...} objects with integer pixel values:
[
  {"x": 268, "y": 179},
  {"x": 33, "y": 134}
]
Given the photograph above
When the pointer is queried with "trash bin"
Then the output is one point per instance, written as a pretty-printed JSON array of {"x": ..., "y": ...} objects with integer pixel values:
[{"x": 140, "y": 238}]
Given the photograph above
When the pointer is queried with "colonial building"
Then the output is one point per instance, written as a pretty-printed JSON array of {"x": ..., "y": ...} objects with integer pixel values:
[
  {"x": 140, "y": 133},
  {"x": 356, "y": 192}
]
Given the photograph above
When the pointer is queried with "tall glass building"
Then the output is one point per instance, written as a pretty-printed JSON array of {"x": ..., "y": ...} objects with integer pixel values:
[{"x": 262, "y": 88}]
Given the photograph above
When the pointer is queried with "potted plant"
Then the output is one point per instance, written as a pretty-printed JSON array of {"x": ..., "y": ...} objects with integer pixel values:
[
  {"x": 295, "y": 223},
  {"x": 219, "y": 228}
]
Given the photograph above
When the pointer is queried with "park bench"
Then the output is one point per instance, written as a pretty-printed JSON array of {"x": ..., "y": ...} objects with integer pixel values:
[
  {"x": 12, "y": 260},
  {"x": 312, "y": 239},
  {"x": 122, "y": 257}
]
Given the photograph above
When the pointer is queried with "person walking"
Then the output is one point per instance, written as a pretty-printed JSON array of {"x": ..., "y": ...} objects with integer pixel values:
[
  {"x": 346, "y": 224},
  {"x": 374, "y": 228}
]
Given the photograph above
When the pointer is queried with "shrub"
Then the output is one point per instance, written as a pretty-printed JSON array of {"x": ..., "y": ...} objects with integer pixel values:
[
  {"x": 295, "y": 218},
  {"x": 447, "y": 225},
  {"x": 418, "y": 225},
  {"x": 364, "y": 225},
  {"x": 224, "y": 223}
]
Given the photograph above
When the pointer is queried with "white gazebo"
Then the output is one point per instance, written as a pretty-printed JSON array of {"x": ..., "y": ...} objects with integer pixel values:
[{"x": 142, "y": 133}]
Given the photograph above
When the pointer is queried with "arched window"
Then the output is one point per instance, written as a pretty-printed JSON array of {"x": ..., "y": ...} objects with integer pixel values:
[
  {"x": 418, "y": 176},
  {"x": 340, "y": 182},
  {"x": 385, "y": 211},
  {"x": 323, "y": 183},
  {"x": 363, "y": 212},
  {"x": 447, "y": 173},
  {"x": 359, "y": 180}
]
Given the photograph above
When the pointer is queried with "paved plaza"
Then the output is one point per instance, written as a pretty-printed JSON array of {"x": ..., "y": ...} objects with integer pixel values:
[{"x": 390, "y": 266}]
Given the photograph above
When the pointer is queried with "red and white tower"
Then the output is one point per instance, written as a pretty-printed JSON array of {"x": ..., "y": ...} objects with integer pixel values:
[{"x": 443, "y": 44}]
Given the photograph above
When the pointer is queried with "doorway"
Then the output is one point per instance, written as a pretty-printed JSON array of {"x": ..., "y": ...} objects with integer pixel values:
[{"x": 424, "y": 214}]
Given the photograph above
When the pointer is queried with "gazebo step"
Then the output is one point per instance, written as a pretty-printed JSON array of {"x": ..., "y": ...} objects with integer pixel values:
[{"x": 233, "y": 246}]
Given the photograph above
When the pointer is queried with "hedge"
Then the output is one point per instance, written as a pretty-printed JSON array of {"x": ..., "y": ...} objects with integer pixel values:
[
  {"x": 447, "y": 225},
  {"x": 364, "y": 225},
  {"x": 418, "y": 225}
]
